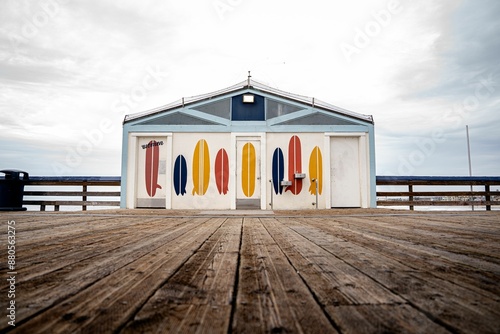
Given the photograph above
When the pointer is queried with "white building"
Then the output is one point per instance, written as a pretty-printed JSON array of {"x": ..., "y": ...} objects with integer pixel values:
[{"x": 248, "y": 146}]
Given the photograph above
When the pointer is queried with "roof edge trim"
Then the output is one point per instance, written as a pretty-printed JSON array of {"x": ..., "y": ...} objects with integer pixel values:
[{"x": 185, "y": 101}]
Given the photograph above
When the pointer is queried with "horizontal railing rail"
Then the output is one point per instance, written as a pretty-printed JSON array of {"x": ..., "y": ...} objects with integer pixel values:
[
  {"x": 442, "y": 197},
  {"x": 394, "y": 196},
  {"x": 86, "y": 197}
]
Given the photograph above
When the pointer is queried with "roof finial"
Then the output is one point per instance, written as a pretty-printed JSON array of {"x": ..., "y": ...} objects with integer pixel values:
[{"x": 248, "y": 80}]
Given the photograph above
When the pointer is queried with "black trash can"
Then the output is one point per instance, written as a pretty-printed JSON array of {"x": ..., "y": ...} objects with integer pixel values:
[{"x": 12, "y": 190}]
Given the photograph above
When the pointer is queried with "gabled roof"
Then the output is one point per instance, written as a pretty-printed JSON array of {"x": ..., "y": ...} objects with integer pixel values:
[{"x": 244, "y": 86}]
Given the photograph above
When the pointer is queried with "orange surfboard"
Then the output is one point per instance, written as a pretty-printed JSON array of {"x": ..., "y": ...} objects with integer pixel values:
[
  {"x": 201, "y": 168},
  {"x": 222, "y": 171},
  {"x": 294, "y": 164},
  {"x": 248, "y": 169}
]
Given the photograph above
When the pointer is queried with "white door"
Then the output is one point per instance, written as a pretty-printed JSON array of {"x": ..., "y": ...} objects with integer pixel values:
[
  {"x": 345, "y": 172},
  {"x": 151, "y": 178},
  {"x": 248, "y": 176}
]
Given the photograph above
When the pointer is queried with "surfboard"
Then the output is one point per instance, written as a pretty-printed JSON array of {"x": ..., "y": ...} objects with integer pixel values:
[
  {"x": 248, "y": 170},
  {"x": 201, "y": 168},
  {"x": 180, "y": 175},
  {"x": 278, "y": 170},
  {"x": 151, "y": 166},
  {"x": 316, "y": 170},
  {"x": 222, "y": 171},
  {"x": 294, "y": 164}
]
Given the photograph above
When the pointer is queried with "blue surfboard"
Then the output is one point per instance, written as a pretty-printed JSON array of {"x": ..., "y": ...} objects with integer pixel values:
[
  {"x": 278, "y": 170},
  {"x": 180, "y": 175}
]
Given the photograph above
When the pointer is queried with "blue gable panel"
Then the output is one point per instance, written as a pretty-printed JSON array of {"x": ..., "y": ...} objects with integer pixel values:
[
  {"x": 248, "y": 111},
  {"x": 177, "y": 118}
]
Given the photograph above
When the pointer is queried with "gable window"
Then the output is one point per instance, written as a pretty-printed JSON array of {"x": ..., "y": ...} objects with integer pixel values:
[
  {"x": 221, "y": 108},
  {"x": 276, "y": 108}
]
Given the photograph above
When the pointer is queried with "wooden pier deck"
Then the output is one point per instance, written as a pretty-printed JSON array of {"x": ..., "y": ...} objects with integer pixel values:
[{"x": 327, "y": 271}]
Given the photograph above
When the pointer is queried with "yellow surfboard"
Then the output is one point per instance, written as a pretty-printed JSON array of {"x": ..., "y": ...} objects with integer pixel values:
[
  {"x": 316, "y": 170},
  {"x": 201, "y": 168},
  {"x": 248, "y": 170}
]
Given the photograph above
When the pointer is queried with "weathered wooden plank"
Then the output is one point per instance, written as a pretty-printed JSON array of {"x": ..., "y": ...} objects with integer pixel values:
[
  {"x": 271, "y": 296},
  {"x": 183, "y": 318},
  {"x": 52, "y": 229},
  {"x": 49, "y": 235},
  {"x": 444, "y": 230},
  {"x": 483, "y": 252},
  {"x": 449, "y": 304},
  {"x": 334, "y": 281},
  {"x": 44, "y": 291},
  {"x": 431, "y": 254},
  {"x": 100, "y": 272},
  {"x": 382, "y": 318},
  {"x": 67, "y": 250},
  {"x": 476, "y": 227},
  {"x": 357, "y": 292},
  {"x": 200, "y": 293},
  {"x": 417, "y": 255},
  {"x": 114, "y": 297}
]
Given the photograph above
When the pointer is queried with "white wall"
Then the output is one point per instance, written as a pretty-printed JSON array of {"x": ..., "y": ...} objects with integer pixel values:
[
  {"x": 185, "y": 143},
  {"x": 304, "y": 199}
]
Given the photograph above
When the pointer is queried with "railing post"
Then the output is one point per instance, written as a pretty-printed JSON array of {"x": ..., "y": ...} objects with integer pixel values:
[
  {"x": 410, "y": 198},
  {"x": 487, "y": 197},
  {"x": 84, "y": 197}
]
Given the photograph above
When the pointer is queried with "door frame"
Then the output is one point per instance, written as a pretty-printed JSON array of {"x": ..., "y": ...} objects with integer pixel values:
[
  {"x": 256, "y": 136},
  {"x": 364, "y": 161},
  {"x": 133, "y": 154}
]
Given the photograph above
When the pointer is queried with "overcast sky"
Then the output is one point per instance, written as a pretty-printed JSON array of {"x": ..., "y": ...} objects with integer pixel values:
[{"x": 70, "y": 70}]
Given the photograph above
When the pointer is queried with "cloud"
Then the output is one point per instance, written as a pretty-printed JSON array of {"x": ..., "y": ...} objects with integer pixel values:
[
  {"x": 475, "y": 38},
  {"x": 64, "y": 68},
  {"x": 448, "y": 79},
  {"x": 466, "y": 49}
]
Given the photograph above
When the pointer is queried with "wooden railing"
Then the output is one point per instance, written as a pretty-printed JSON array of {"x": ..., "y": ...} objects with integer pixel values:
[
  {"x": 84, "y": 197},
  {"x": 89, "y": 196},
  {"x": 463, "y": 197}
]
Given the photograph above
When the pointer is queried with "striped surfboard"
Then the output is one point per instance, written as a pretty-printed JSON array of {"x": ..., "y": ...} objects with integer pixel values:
[
  {"x": 248, "y": 170},
  {"x": 316, "y": 170},
  {"x": 294, "y": 164},
  {"x": 201, "y": 168},
  {"x": 278, "y": 170},
  {"x": 180, "y": 175}
]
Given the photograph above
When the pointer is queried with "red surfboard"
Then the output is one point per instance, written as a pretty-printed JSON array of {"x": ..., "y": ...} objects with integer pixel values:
[
  {"x": 222, "y": 171},
  {"x": 152, "y": 162},
  {"x": 294, "y": 165}
]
